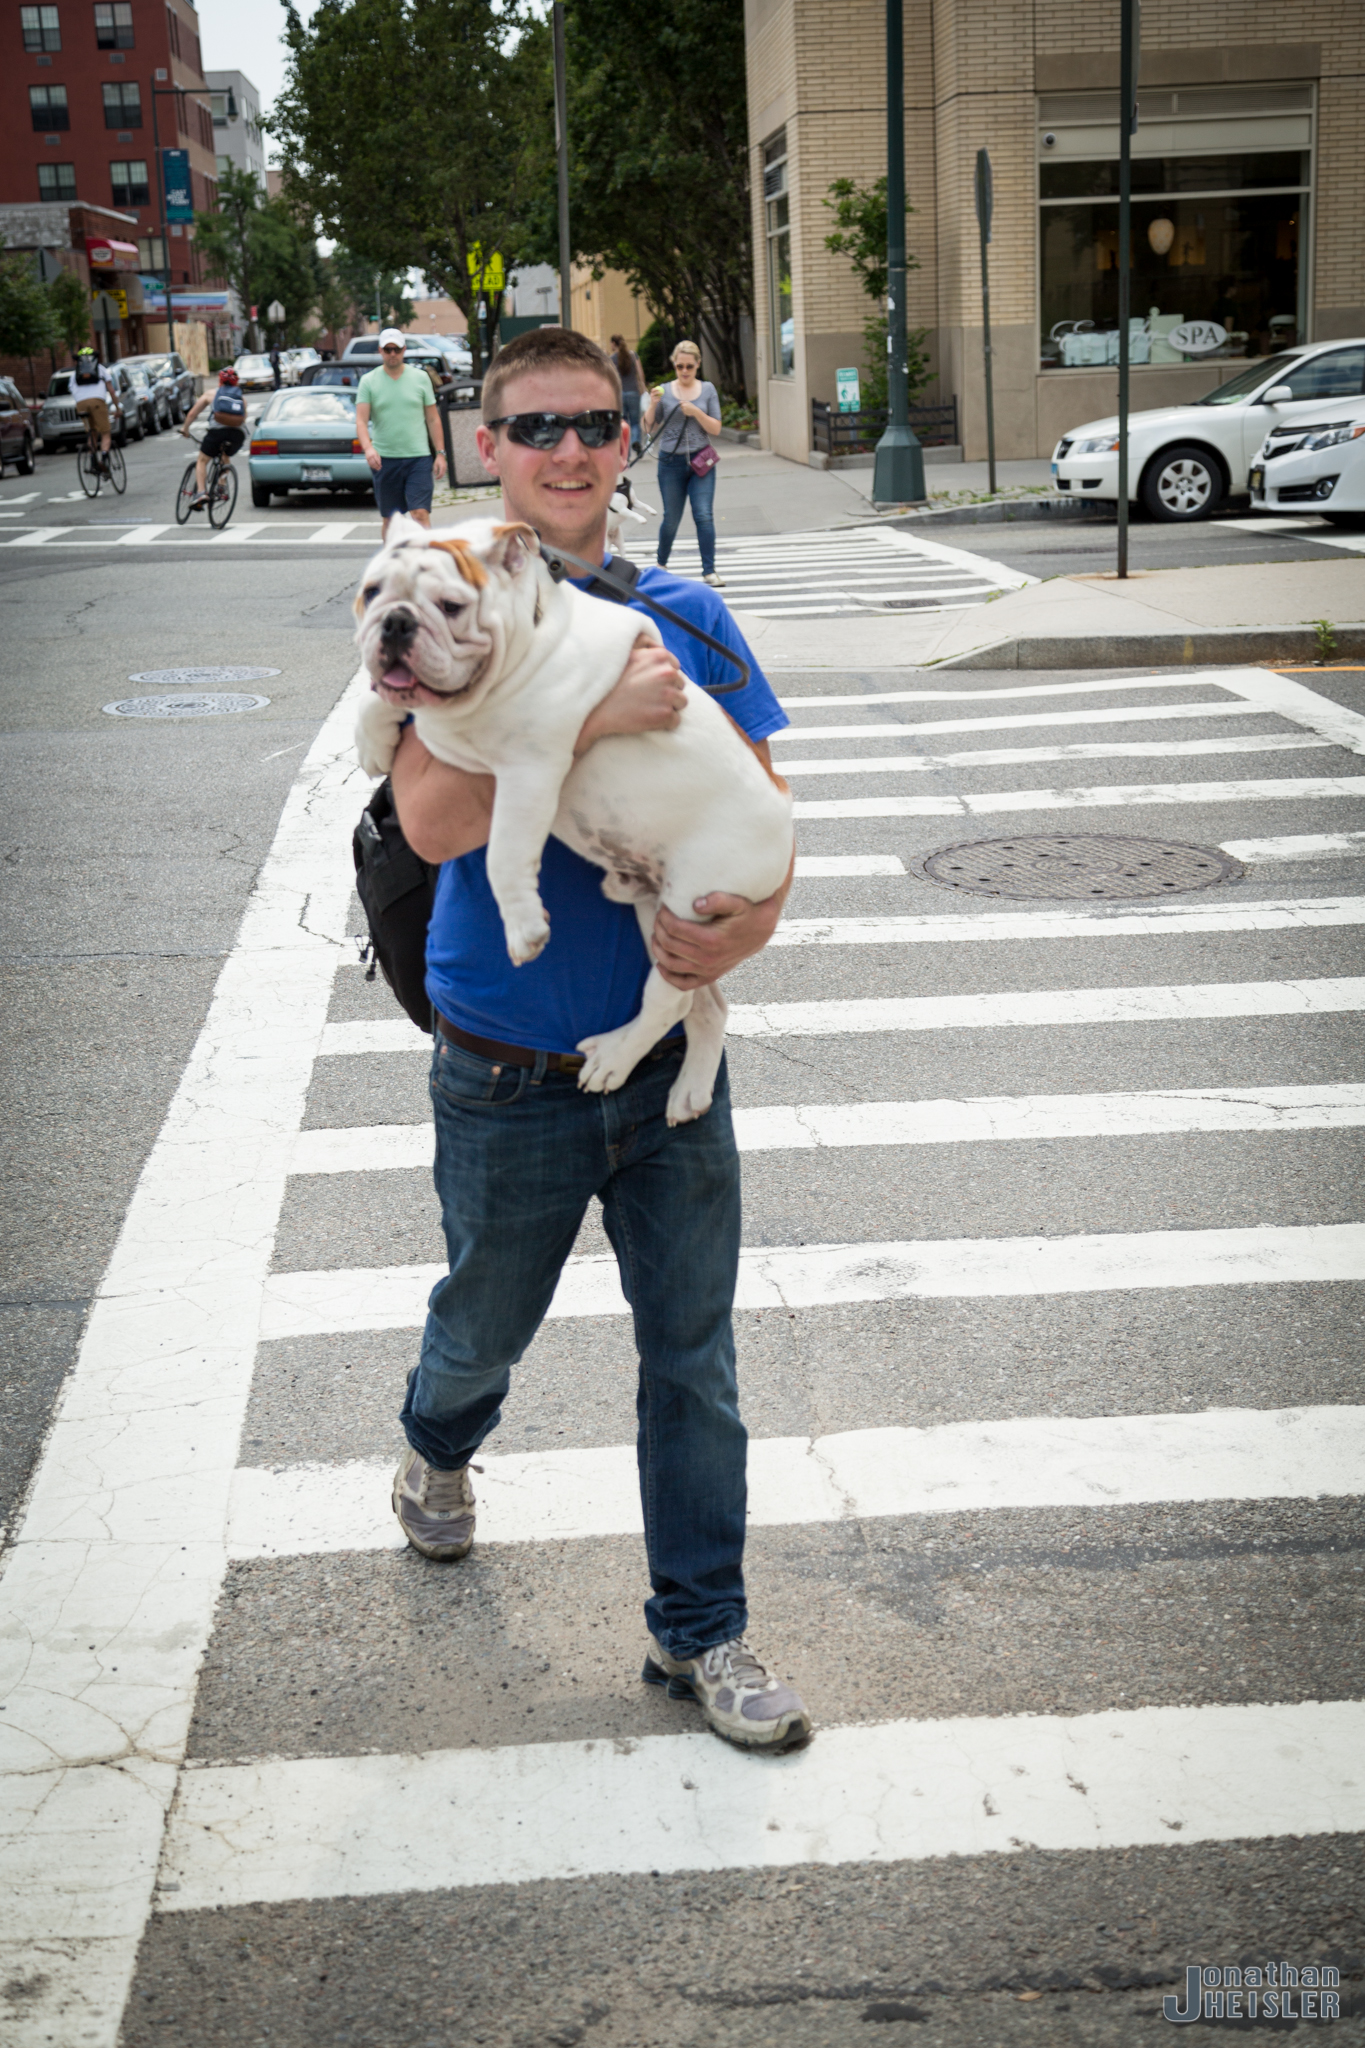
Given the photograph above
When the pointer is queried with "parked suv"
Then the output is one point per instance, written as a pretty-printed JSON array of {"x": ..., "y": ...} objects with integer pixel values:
[
  {"x": 16, "y": 429},
  {"x": 152, "y": 403},
  {"x": 170, "y": 376},
  {"x": 61, "y": 426}
]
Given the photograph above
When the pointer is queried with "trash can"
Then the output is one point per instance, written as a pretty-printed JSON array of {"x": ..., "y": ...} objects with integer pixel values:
[{"x": 459, "y": 409}]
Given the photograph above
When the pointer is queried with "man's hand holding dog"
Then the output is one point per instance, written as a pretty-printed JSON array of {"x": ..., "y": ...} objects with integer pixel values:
[
  {"x": 647, "y": 696},
  {"x": 690, "y": 955}
]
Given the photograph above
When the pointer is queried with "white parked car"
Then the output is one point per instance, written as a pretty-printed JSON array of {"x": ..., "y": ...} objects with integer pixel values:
[
  {"x": 1184, "y": 460},
  {"x": 1321, "y": 469}
]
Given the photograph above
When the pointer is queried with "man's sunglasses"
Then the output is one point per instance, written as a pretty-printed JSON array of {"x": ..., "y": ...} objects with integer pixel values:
[{"x": 547, "y": 429}]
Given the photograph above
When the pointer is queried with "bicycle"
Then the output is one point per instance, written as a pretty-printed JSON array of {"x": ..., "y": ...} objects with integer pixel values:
[
  {"x": 220, "y": 488},
  {"x": 93, "y": 466}
]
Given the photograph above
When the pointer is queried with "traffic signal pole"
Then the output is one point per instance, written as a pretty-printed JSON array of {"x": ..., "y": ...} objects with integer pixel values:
[
  {"x": 1128, "y": 118},
  {"x": 898, "y": 478}
]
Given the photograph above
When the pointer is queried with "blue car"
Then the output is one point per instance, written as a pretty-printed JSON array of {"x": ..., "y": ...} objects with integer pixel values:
[{"x": 306, "y": 441}]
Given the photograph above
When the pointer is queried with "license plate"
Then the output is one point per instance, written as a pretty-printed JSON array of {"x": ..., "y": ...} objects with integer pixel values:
[
  {"x": 1054, "y": 469},
  {"x": 1257, "y": 479},
  {"x": 315, "y": 473}
]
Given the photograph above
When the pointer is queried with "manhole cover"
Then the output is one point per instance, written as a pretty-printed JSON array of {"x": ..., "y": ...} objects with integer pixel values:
[
  {"x": 1090, "y": 864},
  {"x": 185, "y": 704},
  {"x": 199, "y": 678}
]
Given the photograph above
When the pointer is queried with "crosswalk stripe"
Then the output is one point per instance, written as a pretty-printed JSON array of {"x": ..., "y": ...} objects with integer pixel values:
[
  {"x": 1095, "y": 750},
  {"x": 333, "y": 1827},
  {"x": 1010, "y": 1009},
  {"x": 991, "y": 927},
  {"x": 1299, "y": 846},
  {"x": 809, "y": 865},
  {"x": 969, "y": 1120},
  {"x": 1109, "y": 714},
  {"x": 1029, "y": 1461},
  {"x": 1102, "y": 797},
  {"x": 1003, "y": 693},
  {"x": 316, "y": 1304}
]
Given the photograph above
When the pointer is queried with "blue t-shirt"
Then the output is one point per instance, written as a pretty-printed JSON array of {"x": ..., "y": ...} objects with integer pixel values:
[{"x": 590, "y": 975}]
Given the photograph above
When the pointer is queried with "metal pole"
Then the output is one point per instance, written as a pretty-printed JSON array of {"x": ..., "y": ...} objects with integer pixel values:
[
  {"x": 898, "y": 477},
  {"x": 1128, "y": 36},
  {"x": 562, "y": 156},
  {"x": 165, "y": 265},
  {"x": 985, "y": 199}
]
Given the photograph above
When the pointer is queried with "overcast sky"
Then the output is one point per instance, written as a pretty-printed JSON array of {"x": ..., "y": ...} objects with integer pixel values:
[{"x": 247, "y": 35}]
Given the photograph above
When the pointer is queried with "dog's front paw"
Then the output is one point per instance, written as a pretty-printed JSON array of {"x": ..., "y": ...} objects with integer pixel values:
[
  {"x": 527, "y": 934},
  {"x": 376, "y": 741},
  {"x": 610, "y": 1058}
]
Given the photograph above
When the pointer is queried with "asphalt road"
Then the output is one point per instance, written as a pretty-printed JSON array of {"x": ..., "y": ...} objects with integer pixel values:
[{"x": 130, "y": 852}]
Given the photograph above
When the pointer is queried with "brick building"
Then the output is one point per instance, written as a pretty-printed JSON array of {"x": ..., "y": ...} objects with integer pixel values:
[
  {"x": 77, "y": 133},
  {"x": 1248, "y": 183}
]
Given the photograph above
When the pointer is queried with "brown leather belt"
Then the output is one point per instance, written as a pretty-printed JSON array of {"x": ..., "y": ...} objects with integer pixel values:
[{"x": 507, "y": 1055}]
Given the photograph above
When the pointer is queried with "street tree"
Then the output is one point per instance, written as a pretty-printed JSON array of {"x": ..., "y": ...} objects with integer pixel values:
[
  {"x": 373, "y": 292},
  {"x": 860, "y": 215},
  {"x": 70, "y": 302},
  {"x": 27, "y": 323},
  {"x": 261, "y": 248},
  {"x": 418, "y": 132}
]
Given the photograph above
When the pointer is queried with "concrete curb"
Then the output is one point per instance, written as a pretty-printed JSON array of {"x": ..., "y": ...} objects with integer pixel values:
[
  {"x": 1207, "y": 646},
  {"x": 1003, "y": 512}
]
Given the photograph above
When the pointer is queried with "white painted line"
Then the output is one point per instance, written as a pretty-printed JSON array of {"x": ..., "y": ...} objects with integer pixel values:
[
  {"x": 1121, "y": 714},
  {"x": 1230, "y": 679},
  {"x": 913, "y": 544},
  {"x": 242, "y": 533},
  {"x": 972, "y": 1120},
  {"x": 1353, "y": 543},
  {"x": 1309, "y": 524},
  {"x": 811, "y": 864},
  {"x": 1103, "y": 797},
  {"x": 1094, "y": 750},
  {"x": 23, "y": 498},
  {"x": 310, "y": 1304},
  {"x": 370, "y": 1035},
  {"x": 336, "y": 531},
  {"x": 566, "y": 1496},
  {"x": 1028, "y": 1009},
  {"x": 140, "y": 535},
  {"x": 110, "y": 1587},
  {"x": 990, "y": 927},
  {"x": 1302, "y": 706},
  {"x": 347, "y": 1827},
  {"x": 39, "y": 536},
  {"x": 1301, "y": 846}
]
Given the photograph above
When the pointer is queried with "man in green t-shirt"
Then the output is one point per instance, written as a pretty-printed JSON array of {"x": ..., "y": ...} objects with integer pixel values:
[{"x": 406, "y": 429}]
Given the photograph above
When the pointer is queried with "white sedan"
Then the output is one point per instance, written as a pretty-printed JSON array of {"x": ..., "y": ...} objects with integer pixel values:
[
  {"x": 1322, "y": 470},
  {"x": 1184, "y": 460}
]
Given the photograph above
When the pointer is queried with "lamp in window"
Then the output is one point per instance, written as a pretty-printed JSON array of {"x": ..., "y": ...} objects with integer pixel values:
[{"x": 1160, "y": 235}]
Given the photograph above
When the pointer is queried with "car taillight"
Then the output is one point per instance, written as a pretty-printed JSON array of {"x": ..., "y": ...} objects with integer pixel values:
[
  {"x": 356, "y": 448},
  {"x": 265, "y": 447}
]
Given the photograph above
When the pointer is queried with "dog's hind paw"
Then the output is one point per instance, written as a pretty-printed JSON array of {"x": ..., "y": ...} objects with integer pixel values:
[
  {"x": 687, "y": 1100},
  {"x": 527, "y": 938}
]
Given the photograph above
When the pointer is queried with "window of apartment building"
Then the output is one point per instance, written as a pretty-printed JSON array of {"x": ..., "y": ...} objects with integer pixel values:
[
  {"x": 777, "y": 226},
  {"x": 129, "y": 182},
  {"x": 42, "y": 31},
  {"x": 173, "y": 30},
  {"x": 1222, "y": 186},
  {"x": 224, "y": 165},
  {"x": 57, "y": 181},
  {"x": 113, "y": 24},
  {"x": 47, "y": 107},
  {"x": 122, "y": 106}
]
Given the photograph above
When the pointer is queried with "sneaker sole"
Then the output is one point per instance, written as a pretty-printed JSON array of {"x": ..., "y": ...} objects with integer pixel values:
[
  {"x": 678, "y": 1688},
  {"x": 436, "y": 1553}
]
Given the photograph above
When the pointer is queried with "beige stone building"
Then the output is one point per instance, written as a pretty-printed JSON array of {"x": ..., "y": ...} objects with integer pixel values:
[{"x": 1248, "y": 183}]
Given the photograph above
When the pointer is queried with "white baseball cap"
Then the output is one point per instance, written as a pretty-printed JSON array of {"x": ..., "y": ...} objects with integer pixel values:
[{"x": 391, "y": 338}]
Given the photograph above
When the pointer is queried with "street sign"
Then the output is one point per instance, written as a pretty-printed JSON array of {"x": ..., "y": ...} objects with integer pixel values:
[
  {"x": 274, "y": 312},
  {"x": 105, "y": 310},
  {"x": 985, "y": 194},
  {"x": 175, "y": 170},
  {"x": 488, "y": 279},
  {"x": 849, "y": 390}
]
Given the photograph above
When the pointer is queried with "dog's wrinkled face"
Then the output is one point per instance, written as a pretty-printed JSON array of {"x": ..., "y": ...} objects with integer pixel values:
[{"x": 439, "y": 614}]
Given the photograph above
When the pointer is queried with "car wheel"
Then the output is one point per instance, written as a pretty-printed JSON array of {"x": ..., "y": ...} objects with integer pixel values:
[
  {"x": 260, "y": 497},
  {"x": 26, "y": 464},
  {"x": 1182, "y": 483}
]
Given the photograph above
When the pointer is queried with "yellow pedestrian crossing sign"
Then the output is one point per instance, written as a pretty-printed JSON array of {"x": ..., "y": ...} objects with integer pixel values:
[{"x": 488, "y": 279}]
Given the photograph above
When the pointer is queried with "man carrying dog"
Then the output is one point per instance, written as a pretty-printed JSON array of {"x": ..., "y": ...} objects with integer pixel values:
[
  {"x": 406, "y": 432},
  {"x": 520, "y": 1150}
]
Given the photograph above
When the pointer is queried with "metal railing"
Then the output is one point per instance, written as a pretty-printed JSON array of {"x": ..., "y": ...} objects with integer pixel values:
[{"x": 856, "y": 433}]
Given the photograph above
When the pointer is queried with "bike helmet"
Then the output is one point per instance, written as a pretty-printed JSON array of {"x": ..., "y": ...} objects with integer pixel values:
[{"x": 227, "y": 376}]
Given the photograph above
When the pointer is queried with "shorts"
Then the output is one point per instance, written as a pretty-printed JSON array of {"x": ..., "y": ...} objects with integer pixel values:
[
  {"x": 223, "y": 440},
  {"x": 403, "y": 484},
  {"x": 95, "y": 410}
]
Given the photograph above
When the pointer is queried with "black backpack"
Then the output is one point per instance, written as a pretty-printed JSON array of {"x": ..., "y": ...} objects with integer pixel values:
[{"x": 87, "y": 370}]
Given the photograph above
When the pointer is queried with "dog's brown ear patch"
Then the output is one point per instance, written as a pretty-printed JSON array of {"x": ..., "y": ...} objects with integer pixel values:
[
  {"x": 465, "y": 560},
  {"x": 529, "y": 535}
]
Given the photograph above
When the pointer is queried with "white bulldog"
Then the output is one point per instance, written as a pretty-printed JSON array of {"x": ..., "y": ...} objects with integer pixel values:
[{"x": 500, "y": 666}]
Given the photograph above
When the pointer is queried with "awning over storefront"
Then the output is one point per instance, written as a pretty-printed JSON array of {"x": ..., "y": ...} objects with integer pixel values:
[{"x": 103, "y": 253}]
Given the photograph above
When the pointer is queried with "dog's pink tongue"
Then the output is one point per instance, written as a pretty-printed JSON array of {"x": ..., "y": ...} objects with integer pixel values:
[{"x": 399, "y": 677}]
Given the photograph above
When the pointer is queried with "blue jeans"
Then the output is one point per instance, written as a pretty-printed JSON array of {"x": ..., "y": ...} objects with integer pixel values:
[
  {"x": 519, "y": 1154},
  {"x": 679, "y": 483},
  {"x": 630, "y": 405}
]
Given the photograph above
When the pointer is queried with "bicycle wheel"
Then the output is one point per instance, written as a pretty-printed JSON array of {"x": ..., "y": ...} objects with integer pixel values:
[
  {"x": 222, "y": 493},
  {"x": 118, "y": 474},
  {"x": 89, "y": 471},
  {"x": 184, "y": 498}
]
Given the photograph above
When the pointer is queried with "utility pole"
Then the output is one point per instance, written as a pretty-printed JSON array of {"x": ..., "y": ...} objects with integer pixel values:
[
  {"x": 898, "y": 478},
  {"x": 1131, "y": 15},
  {"x": 165, "y": 265},
  {"x": 562, "y": 156},
  {"x": 985, "y": 206}
]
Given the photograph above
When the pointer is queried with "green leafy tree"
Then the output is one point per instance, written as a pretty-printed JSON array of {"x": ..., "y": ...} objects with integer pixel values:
[
  {"x": 860, "y": 214},
  {"x": 263, "y": 249},
  {"x": 659, "y": 178},
  {"x": 372, "y": 290},
  {"x": 418, "y": 132},
  {"x": 70, "y": 302},
  {"x": 27, "y": 325}
]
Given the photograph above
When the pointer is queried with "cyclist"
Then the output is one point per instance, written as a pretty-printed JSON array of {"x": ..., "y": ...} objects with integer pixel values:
[
  {"x": 226, "y": 431},
  {"x": 94, "y": 395}
]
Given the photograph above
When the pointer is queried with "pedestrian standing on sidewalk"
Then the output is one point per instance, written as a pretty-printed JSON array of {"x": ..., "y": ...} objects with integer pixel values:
[
  {"x": 521, "y": 1150},
  {"x": 688, "y": 412},
  {"x": 275, "y": 365},
  {"x": 631, "y": 372},
  {"x": 406, "y": 432}
]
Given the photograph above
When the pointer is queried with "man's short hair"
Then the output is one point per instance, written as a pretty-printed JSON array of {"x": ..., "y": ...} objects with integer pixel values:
[{"x": 546, "y": 348}]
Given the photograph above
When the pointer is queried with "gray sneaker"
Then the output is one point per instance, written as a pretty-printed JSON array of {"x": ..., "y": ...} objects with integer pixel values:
[
  {"x": 737, "y": 1694},
  {"x": 435, "y": 1510}
]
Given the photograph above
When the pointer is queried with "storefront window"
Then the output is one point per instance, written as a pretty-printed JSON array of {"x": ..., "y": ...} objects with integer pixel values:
[
  {"x": 1218, "y": 235},
  {"x": 781, "y": 323}
]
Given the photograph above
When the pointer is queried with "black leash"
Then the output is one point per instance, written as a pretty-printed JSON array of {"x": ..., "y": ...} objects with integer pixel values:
[{"x": 621, "y": 590}]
